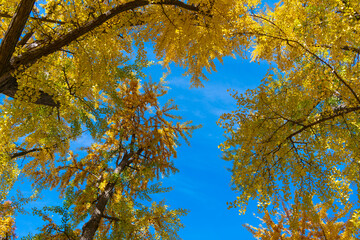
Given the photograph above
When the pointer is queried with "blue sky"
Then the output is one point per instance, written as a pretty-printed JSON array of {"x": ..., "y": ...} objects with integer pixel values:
[{"x": 203, "y": 183}]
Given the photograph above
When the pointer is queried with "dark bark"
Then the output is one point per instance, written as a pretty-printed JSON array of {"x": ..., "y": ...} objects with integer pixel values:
[
  {"x": 9, "y": 87},
  {"x": 24, "y": 153},
  {"x": 13, "y": 33},
  {"x": 25, "y": 39},
  {"x": 90, "y": 227}
]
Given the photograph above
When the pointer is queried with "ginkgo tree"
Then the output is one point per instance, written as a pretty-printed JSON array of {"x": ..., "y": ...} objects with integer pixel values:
[
  {"x": 105, "y": 186},
  {"x": 296, "y": 136},
  {"x": 111, "y": 182},
  {"x": 59, "y": 62}
]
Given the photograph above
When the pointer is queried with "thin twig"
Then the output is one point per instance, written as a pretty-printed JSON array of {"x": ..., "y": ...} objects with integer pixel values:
[{"x": 42, "y": 19}]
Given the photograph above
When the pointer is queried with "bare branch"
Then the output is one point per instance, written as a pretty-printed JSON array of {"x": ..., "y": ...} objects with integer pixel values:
[
  {"x": 111, "y": 218},
  {"x": 25, "y": 39},
  {"x": 25, "y": 152},
  {"x": 41, "y": 19}
]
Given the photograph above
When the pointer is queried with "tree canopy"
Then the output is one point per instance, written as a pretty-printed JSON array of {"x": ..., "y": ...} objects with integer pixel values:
[
  {"x": 297, "y": 135},
  {"x": 69, "y": 66}
]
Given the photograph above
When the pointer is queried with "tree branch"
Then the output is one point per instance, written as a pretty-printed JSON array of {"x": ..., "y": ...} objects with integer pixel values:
[
  {"x": 25, "y": 152},
  {"x": 13, "y": 33},
  {"x": 41, "y": 19},
  {"x": 25, "y": 39},
  {"x": 36, "y": 53},
  {"x": 288, "y": 41},
  {"x": 345, "y": 48},
  {"x": 9, "y": 87},
  {"x": 111, "y": 218},
  {"x": 339, "y": 113},
  {"x": 90, "y": 227}
]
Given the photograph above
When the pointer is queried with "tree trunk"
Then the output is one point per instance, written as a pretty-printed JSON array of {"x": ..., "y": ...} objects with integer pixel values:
[{"x": 89, "y": 229}]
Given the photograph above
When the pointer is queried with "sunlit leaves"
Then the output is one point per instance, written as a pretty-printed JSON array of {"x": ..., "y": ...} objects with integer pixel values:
[
  {"x": 296, "y": 135},
  {"x": 7, "y": 223},
  {"x": 312, "y": 223},
  {"x": 136, "y": 147}
]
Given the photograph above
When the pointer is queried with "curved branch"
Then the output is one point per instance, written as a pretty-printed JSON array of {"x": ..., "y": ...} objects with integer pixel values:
[
  {"x": 288, "y": 41},
  {"x": 36, "y": 53},
  {"x": 8, "y": 64},
  {"x": 338, "y": 114},
  {"x": 289, "y": 137}
]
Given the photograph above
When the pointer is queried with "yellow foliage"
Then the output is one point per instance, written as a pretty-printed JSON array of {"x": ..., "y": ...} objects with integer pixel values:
[
  {"x": 7, "y": 223},
  {"x": 65, "y": 68},
  {"x": 297, "y": 133},
  {"x": 312, "y": 223}
]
